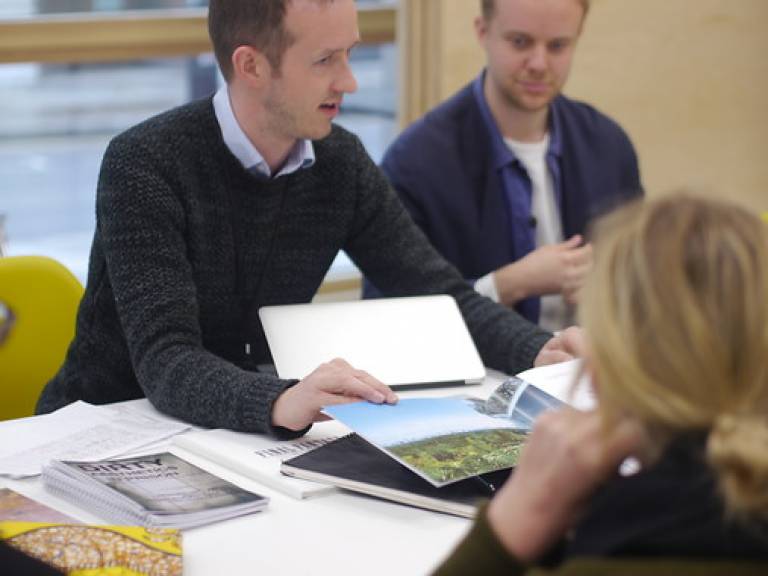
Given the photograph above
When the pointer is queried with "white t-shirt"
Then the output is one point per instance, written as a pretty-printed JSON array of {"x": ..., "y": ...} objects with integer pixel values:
[{"x": 555, "y": 314}]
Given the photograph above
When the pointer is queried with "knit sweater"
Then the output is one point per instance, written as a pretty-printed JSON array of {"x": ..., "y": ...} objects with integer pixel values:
[
  {"x": 667, "y": 520},
  {"x": 481, "y": 552},
  {"x": 188, "y": 246}
]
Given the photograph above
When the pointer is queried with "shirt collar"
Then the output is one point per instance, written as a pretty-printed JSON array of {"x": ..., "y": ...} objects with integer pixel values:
[
  {"x": 500, "y": 152},
  {"x": 302, "y": 155}
]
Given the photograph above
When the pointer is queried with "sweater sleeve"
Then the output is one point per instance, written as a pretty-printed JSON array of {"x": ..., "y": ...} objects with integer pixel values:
[
  {"x": 398, "y": 258},
  {"x": 141, "y": 220},
  {"x": 480, "y": 552}
]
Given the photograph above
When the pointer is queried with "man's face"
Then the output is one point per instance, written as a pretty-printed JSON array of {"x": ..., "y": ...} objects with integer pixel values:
[
  {"x": 305, "y": 95},
  {"x": 529, "y": 46}
]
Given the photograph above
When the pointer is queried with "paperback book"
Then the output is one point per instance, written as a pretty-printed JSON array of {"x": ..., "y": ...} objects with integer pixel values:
[
  {"x": 445, "y": 440},
  {"x": 157, "y": 490}
]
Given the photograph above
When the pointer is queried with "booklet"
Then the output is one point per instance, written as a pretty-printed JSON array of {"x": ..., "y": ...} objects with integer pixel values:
[
  {"x": 157, "y": 490},
  {"x": 445, "y": 440}
]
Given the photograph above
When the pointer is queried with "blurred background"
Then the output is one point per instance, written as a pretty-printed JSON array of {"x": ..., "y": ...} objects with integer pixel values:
[{"x": 687, "y": 79}]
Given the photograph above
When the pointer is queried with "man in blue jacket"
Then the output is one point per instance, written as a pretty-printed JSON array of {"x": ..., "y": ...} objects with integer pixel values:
[{"x": 505, "y": 175}]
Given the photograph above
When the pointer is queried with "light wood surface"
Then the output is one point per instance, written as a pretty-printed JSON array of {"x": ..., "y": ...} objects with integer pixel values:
[
  {"x": 134, "y": 35},
  {"x": 687, "y": 79}
]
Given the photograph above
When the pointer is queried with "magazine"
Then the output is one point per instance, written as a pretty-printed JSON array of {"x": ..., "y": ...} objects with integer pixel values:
[
  {"x": 157, "y": 490},
  {"x": 445, "y": 440},
  {"x": 86, "y": 550},
  {"x": 15, "y": 507},
  {"x": 564, "y": 380}
]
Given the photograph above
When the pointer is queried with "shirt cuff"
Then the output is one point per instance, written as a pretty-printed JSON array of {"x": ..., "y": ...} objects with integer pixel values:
[{"x": 486, "y": 286}]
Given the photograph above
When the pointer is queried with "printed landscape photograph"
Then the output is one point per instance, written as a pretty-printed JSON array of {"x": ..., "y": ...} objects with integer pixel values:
[{"x": 442, "y": 439}]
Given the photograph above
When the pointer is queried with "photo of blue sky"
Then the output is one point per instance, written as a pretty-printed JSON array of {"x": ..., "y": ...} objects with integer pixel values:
[{"x": 413, "y": 419}]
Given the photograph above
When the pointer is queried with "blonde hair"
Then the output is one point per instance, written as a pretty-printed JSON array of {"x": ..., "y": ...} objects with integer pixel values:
[{"x": 676, "y": 313}]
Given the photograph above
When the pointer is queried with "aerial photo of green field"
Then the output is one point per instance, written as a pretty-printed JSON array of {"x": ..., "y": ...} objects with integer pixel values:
[{"x": 456, "y": 456}]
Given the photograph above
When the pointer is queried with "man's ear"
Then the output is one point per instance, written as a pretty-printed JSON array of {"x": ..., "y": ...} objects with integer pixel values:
[
  {"x": 481, "y": 29},
  {"x": 250, "y": 65}
]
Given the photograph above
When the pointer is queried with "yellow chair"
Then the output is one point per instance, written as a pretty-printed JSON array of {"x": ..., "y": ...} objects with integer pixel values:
[
  {"x": 765, "y": 216},
  {"x": 43, "y": 297}
]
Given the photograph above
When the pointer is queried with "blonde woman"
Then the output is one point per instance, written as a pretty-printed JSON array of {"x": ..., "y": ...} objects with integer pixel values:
[{"x": 675, "y": 314}]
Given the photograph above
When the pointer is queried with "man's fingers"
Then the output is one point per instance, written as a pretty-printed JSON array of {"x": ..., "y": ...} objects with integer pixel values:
[
  {"x": 573, "y": 342},
  {"x": 572, "y": 242},
  {"x": 341, "y": 363},
  {"x": 328, "y": 399},
  {"x": 552, "y": 357},
  {"x": 350, "y": 385},
  {"x": 576, "y": 273},
  {"x": 351, "y": 390},
  {"x": 577, "y": 258},
  {"x": 361, "y": 376},
  {"x": 365, "y": 377}
]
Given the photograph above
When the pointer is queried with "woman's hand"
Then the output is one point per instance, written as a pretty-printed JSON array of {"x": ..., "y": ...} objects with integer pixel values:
[{"x": 567, "y": 456}]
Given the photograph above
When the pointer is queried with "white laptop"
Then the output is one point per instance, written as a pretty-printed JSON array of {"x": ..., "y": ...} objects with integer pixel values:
[{"x": 412, "y": 342}]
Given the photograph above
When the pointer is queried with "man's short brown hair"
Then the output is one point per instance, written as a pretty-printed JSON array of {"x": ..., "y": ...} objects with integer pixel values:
[
  {"x": 257, "y": 23},
  {"x": 488, "y": 8}
]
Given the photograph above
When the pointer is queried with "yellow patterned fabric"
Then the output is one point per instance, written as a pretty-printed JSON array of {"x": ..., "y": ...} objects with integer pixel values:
[{"x": 82, "y": 550}]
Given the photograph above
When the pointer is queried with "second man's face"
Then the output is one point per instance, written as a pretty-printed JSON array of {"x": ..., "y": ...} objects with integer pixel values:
[{"x": 529, "y": 46}]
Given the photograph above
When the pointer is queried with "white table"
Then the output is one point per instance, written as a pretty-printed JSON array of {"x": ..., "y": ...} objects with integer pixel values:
[{"x": 338, "y": 533}]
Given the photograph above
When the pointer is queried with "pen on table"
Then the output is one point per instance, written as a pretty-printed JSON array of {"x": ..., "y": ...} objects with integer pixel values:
[{"x": 487, "y": 486}]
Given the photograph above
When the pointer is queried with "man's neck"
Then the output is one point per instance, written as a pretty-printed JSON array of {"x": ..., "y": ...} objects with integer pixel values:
[
  {"x": 514, "y": 122},
  {"x": 273, "y": 148}
]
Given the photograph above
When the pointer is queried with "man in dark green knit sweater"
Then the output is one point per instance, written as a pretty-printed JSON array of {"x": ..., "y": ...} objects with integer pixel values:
[{"x": 214, "y": 209}]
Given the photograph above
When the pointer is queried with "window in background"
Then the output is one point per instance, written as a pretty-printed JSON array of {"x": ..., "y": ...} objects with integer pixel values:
[{"x": 56, "y": 121}]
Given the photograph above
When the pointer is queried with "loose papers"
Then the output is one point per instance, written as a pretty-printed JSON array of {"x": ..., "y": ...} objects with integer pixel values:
[{"x": 79, "y": 431}]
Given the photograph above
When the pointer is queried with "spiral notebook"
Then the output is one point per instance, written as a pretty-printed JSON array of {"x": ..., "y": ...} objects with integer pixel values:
[
  {"x": 353, "y": 464},
  {"x": 156, "y": 490}
]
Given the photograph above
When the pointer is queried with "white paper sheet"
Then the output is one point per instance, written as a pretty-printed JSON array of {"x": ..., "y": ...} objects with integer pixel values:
[
  {"x": 559, "y": 380},
  {"x": 79, "y": 431}
]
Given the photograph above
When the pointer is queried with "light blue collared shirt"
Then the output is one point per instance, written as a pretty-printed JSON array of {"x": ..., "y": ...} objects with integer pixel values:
[{"x": 302, "y": 155}]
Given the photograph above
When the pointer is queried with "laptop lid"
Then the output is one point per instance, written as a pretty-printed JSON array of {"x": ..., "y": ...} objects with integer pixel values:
[{"x": 416, "y": 341}]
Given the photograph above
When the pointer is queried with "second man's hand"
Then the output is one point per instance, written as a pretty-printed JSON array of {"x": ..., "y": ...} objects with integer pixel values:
[
  {"x": 550, "y": 269},
  {"x": 565, "y": 345},
  {"x": 335, "y": 382}
]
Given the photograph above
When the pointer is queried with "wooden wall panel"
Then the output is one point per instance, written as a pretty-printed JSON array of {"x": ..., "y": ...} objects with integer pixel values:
[{"x": 688, "y": 79}]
